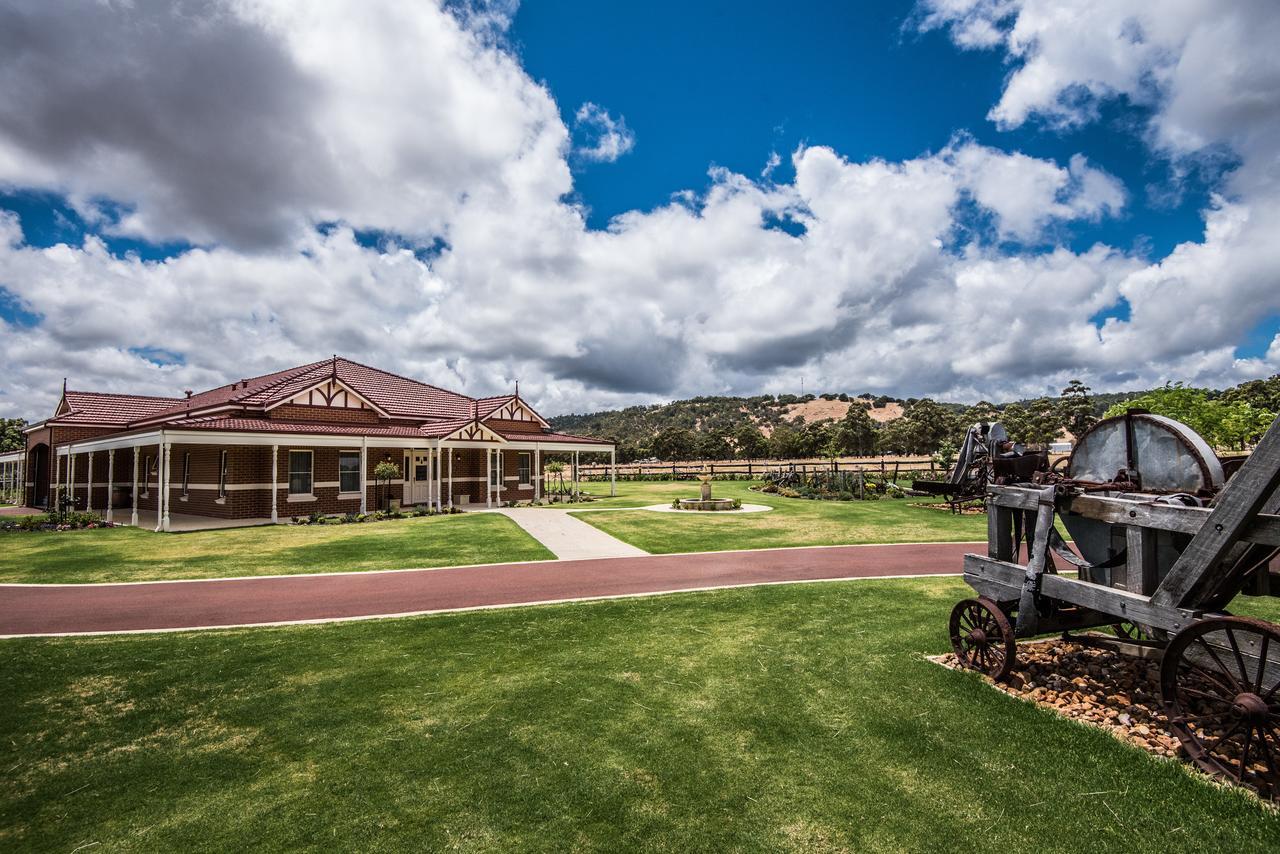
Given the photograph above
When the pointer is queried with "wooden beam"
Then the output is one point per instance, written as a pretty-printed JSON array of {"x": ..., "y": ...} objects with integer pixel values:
[
  {"x": 1237, "y": 506},
  {"x": 1028, "y": 617},
  {"x": 1264, "y": 529},
  {"x": 1003, "y": 582},
  {"x": 1000, "y": 543}
]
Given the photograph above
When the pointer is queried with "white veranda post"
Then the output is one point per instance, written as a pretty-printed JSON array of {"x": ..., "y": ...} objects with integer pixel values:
[
  {"x": 450, "y": 454},
  {"x": 159, "y": 485},
  {"x": 111, "y": 480},
  {"x": 364, "y": 473},
  {"x": 275, "y": 454},
  {"x": 88, "y": 486},
  {"x": 440, "y": 452},
  {"x": 488, "y": 477},
  {"x": 537, "y": 474},
  {"x": 133, "y": 493},
  {"x": 165, "y": 478},
  {"x": 576, "y": 488}
]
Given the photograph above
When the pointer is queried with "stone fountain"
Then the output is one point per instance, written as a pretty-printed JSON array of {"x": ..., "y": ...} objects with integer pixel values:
[{"x": 706, "y": 502}]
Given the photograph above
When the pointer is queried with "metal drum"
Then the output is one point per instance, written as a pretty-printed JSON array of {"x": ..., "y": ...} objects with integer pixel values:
[
  {"x": 1149, "y": 458},
  {"x": 1153, "y": 453}
]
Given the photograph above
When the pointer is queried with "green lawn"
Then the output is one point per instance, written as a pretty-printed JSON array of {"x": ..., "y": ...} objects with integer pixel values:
[
  {"x": 792, "y": 522},
  {"x": 798, "y": 718},
  {"x": 131, "y": 554}
]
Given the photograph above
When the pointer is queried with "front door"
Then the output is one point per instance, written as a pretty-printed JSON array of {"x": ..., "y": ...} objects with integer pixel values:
[{"x": 418, "y": 474}]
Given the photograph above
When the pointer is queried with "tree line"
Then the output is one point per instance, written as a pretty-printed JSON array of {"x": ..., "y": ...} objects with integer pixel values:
[{"x": 1231, "y": 419}]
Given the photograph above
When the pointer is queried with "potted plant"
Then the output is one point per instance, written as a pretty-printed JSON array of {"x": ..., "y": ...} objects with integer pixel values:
[{"x": 383, "y": 473}]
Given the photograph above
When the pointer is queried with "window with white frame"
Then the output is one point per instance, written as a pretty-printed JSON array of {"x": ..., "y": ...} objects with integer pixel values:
[
  {"x": 186, "y": 474},
  {"x": 299, "y": 472},
  {"x": 222, "y": 475},
  {"x": 495, "y": 468},
  {"x": 525, "y": 460},
  {"x": 349, "y": 471}
]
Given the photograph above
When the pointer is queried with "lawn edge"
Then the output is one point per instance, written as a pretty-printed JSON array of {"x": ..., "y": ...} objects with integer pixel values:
[
  {"x": 4, "y": 584},
  {"x": 469, "y": 608}
]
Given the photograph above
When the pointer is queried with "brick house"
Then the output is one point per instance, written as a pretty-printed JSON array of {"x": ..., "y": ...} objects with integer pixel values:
[{"x": 292, "y": 443}]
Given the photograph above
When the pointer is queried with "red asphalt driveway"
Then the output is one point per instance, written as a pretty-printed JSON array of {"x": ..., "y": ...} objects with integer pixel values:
[{"x": 156, "y": 606}]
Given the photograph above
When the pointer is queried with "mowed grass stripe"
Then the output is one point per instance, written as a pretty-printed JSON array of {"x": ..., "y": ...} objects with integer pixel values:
[
  {"x": 781, "y": 718},
  {"x": 131, "y": 554},
  {"x": 791, "y": 522}
]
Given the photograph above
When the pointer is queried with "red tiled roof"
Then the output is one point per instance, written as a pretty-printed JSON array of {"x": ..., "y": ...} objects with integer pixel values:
[
  {"x": 437, "y": 429},
  {"x": 91, "y": 407},
  {"x": 395, "y": 395},
  {"x": 233, "y": 392},
  {"x": 265, "y": 425},
  {"x": 401, "y": 396},
  {"x": 441, "y": 412},
  {"x": 486, "y": 406},
  {"x": 551, "y": 437},
  {"x": 431, "y": 430}
]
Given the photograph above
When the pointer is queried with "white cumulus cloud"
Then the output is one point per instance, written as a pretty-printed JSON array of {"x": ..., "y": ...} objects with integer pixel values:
[
  {"x": 604, "y": 138},
  {"x": 242, "y": 125}
]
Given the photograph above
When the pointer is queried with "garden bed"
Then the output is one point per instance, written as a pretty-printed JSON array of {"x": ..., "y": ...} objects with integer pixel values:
[{"x": 1115, "y": 692}]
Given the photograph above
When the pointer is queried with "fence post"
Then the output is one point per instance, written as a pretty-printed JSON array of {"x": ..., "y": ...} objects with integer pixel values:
[{"x": 748, "y": 468}]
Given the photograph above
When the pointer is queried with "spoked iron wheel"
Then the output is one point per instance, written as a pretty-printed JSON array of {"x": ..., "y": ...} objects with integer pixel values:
[
  {"x": 1219, "y": 681},
  {"x": 982, "y": 637}
]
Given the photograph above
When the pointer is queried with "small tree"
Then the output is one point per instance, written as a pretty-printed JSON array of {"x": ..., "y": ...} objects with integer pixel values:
[
  {"x": 751, "y": 442},
  {"x": 555, "y": 468},
  {"x": 1076, "y": 409},
  {"x": 856, "y": 432},
  {"x": 11, "y": 436},
  {"x": 383, "y": 473}
]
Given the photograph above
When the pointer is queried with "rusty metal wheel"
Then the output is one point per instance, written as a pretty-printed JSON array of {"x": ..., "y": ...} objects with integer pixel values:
[
  {"x": 982, "y": 637},
  {"x": 1219, "y": 681}
]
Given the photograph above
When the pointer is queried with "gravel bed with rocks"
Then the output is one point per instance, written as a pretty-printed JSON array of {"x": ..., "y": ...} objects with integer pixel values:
[{"x": 1118, "y": 693}]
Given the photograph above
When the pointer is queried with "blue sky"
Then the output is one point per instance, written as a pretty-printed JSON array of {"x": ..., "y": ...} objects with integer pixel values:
[
  {"x": 727, "y": 83},
  {"x": 620, "y": 203}
]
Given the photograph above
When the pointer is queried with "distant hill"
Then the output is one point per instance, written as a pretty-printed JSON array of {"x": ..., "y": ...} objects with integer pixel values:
[
  {"x": 725, "y": 414},
  {"x": 635, "y": 425}
]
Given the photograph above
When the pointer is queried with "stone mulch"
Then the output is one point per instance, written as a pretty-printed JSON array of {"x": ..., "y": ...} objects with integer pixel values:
[{"x": 1116, "y": 692}]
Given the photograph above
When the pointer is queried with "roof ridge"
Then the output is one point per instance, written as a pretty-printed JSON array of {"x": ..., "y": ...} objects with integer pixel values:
[
  {"x": 123, "y": 394},
  {"x": 287, "y": 375},
  {"x": 403, "y": 377}
]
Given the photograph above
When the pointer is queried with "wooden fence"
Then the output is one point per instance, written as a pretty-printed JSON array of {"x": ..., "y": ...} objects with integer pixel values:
[{"x": 886, "y": 468}]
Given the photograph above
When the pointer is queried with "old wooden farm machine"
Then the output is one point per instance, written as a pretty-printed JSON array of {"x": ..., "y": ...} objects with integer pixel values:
[
  {"x": 986, "y": 456},
  {"x": 1166, "y": 541}
]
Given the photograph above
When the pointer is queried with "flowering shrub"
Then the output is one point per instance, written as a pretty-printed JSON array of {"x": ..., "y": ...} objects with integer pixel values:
[
  {"x": 51, "y": 522},
  {"x": 376, "y": 516}
]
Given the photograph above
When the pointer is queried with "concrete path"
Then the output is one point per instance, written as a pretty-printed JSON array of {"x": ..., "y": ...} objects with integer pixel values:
[
  {"x": 569, "y": 538},
  {"x": 33, "y": 609}
]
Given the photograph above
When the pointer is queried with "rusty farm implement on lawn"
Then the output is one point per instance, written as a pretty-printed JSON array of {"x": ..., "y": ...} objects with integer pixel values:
[
  {"x": 1166, "y": 541},
  {"x": 986, "y": 456}
]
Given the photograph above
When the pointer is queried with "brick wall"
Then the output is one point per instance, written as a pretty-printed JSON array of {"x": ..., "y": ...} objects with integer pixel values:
[
  {"x": 327, "y": 414},
  {"x": 248, "y": 493},
  {"x": 504, "y": 426}
]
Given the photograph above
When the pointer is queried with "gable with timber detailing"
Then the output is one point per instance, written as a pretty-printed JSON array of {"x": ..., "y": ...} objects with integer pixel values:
[
  {"x": 516, "y": 410},
  {"x": 474, "y": 432},
  {"x": 331, "y": 393}
]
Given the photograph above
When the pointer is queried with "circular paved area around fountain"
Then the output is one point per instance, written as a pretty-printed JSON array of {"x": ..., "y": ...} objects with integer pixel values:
[{"x": 745, "y": 508}]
